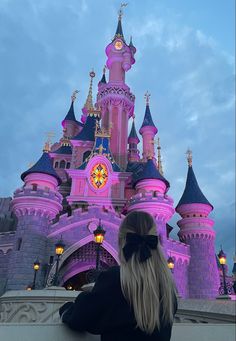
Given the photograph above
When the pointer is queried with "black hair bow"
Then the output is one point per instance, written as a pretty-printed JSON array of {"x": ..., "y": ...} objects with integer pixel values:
[{"x": 135, "y": 242}]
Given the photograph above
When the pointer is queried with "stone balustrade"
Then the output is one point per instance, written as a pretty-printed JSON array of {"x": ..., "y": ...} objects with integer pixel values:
[{"x": 33, "y": 315}]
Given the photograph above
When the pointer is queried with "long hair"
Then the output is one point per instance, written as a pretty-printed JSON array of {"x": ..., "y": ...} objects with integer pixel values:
[{"x": 147, "y": 286}]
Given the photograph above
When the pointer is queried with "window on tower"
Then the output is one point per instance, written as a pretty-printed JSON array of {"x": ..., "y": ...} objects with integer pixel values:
[{"x": 62, "y": 164}]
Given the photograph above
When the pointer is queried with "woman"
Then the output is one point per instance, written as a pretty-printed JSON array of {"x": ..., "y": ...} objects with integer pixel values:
[{"x": 136, "y": 302}]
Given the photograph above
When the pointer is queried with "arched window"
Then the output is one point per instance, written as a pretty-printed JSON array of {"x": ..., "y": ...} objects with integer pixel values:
[
  {"x": 86, "y": 154},
  {"x": 56, "y": 164},
  {"x": 67, "y": 165},
  {"x": 34, "y": 187},
  {"x": 62, "y": 164}
]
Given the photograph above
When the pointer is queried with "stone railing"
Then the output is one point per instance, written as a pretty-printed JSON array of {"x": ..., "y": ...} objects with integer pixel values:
[{"x": 33, "y": 315}]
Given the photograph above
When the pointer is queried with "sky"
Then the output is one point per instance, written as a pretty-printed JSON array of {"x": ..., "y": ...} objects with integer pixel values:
[{"x": 185, "y": 59}]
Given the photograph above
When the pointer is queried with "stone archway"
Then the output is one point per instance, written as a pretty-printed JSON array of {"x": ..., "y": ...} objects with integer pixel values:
[{"x": 77, "y": 266}]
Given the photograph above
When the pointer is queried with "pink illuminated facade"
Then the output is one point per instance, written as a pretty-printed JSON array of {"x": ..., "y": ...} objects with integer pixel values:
[{"x": 98, "y": 172}]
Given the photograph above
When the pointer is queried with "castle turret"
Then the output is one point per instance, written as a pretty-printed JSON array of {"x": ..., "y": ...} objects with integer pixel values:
[
  {"x": 196, "y": 230},
  {"x": 133, "y": 141},
  {"x": 70, "y": 124},
  {"x": 35, "y": 205},
  {"x": 114, "y": 98},
  {"x": 148, "y": 131},
  {"x": 151, "y": 196}
]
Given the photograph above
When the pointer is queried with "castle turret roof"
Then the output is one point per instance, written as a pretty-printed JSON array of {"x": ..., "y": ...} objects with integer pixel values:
[
  {"x": 150, "y": 171},
  {"x": 44, "y": 166},
  {"x": 64, "y": 149},
  {"x": 71, "y": 114},
  {"x": 147, "y": 121},
  {"x": 88, "y": 131},
  {"x": 192, "y": 193},
  {"x": 133, "y": 133}
]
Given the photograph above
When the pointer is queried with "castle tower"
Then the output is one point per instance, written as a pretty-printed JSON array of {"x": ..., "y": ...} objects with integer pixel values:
[
  {"x": 151, "y": 197},
  {"x": 133, "y": 141},
  {"x": 83, "y": 142},
  {"x": 114, "y": 98},
  {"x": 70, "y": 124},
  {"x": 148, "y": 131},
  {"x": 196, "y": 230},
  {"x": 35, "y": 205}
]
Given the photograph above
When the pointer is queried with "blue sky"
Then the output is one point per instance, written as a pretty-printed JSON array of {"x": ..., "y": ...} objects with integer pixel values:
[{"x": 185, "y": 58}]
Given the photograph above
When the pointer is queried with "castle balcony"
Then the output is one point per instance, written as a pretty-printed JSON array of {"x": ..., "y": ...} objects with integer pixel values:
[{"x": 33, "y": 315}]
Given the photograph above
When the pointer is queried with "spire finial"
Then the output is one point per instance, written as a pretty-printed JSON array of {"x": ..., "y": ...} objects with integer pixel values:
[
  {"x": 47, "y": 145},
  {"x": 104, "y": 69},
  {"x": 189, "y": 157},
  {"x": 73, "y": 97},
  {"x": 121, "y": 12},
  {"x": 147, "y": 96},
  {"x": 159, "y": 161},
  {"x": 89, "y": 101}
]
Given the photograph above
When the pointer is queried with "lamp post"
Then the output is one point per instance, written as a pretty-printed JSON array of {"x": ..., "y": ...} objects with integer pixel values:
[
  {"x": 99, "y": 234},
  {"x": 36, "y": 267},
  {"x": 171, "y": 264},
  {"x": 59, "y": 249},
  {"x": 222, "y": 260}
]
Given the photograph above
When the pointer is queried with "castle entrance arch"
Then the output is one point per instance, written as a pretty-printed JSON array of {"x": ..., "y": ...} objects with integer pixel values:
[{"x": 77, "y": 269}]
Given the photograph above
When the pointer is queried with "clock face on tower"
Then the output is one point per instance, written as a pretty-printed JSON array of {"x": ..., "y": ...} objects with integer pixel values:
[
  {"x": 118, "y": 45},
  {"x": 99, "y": 175}
]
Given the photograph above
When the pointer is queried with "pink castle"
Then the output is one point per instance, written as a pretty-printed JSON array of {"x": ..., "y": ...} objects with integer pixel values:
[{"x": 96, "y": 174}]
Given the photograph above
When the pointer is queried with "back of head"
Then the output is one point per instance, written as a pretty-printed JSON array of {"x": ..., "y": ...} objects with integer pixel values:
[{"x": 146, "y": 281}]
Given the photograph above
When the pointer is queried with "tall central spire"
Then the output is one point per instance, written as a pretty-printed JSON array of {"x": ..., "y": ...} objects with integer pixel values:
[
  {"x": 89, "y": 101},
  {"x": 119, "y": 30}
]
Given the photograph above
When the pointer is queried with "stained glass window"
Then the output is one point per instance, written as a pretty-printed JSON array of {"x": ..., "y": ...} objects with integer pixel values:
[{"x": 99, "y": 176}]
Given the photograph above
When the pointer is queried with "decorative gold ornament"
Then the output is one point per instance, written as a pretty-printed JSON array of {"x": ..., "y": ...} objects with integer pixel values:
[
  {"x": 118, "y": 45},
  {"x": 147, "y": 96},
  {"x": 99, "y": 176},
  {"x": 189, "y": 157},
  {"x": 73, "y": 97}
]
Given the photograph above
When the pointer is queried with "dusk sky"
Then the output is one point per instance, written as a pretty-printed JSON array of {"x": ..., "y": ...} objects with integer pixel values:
[{"x": 185, "y": 59}]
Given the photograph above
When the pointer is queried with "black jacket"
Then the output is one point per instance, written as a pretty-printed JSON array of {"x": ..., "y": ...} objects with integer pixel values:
[{"x": 105, "y": 311}]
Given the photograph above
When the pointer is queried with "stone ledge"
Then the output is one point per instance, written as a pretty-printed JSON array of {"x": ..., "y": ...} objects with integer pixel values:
[{"x": 59, "y": 332}]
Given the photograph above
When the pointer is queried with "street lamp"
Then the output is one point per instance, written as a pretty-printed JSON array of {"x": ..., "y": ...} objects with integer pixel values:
[
  {"x": 99, "y": 234},
  {"x": 36, "y": 267},
  {"x": 59, "y": 249},
  {"x": 222, "y": 260},
  {"x": 171, "y": 264}
]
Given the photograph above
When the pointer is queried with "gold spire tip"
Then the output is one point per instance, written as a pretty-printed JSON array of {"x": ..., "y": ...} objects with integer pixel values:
[
  {"x": 147, "y": 96},
  {"x": 89, "y": 100},
  {"x": 189, "y": 157},
  {"x": 47, "y": 145},
  {"x": 121, "y": 12},
  {"x": 73, "y": 97}
]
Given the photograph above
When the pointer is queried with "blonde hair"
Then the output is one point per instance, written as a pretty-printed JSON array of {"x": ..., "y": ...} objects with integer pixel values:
[{"x": 147, "y": 286}]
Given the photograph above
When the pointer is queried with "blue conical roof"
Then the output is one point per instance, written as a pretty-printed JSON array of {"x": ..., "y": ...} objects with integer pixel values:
[
  {"x": 150, "y": 171},
  {"x": 71, "y": 114},
  {"x": 192, "y": 192},
  {"x": 147, "y": 121},
  {"x": 43, "y": 165},
  {"x": 63, "y": 149},
  {"x": 133, "y": 133},
  {"x": 88, "y": 131},
  {"x": 103, "y": 79},
  {"x": 119, "y": 30},
  {"x": 234, "y": 269}
]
